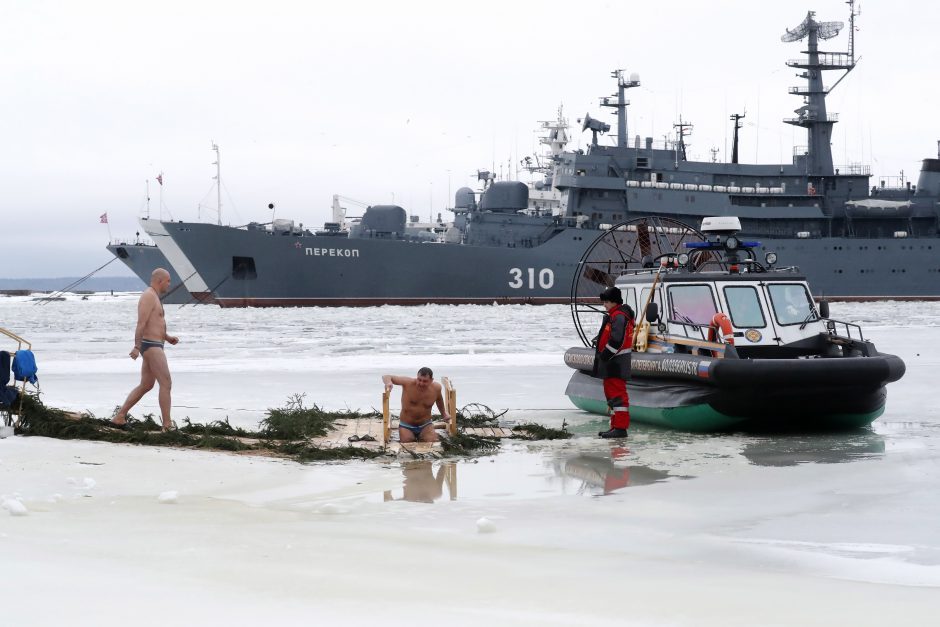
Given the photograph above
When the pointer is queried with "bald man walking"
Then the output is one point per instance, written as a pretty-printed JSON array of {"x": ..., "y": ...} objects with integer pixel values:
[{"x": 148, "y": 344}]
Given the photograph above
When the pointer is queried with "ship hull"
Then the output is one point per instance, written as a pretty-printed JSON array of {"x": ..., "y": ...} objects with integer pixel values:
[
  {"x": 239, "y": 268},
  {"x": 142, "y": 260}
]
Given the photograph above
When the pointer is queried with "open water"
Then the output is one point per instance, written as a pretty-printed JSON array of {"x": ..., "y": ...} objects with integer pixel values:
[{"x": 857, "y": 507}]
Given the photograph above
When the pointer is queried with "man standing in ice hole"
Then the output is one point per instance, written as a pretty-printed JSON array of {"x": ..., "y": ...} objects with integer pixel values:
[
  {"x": 148, "y": 344},
  {"x": 418, "y": 395}
]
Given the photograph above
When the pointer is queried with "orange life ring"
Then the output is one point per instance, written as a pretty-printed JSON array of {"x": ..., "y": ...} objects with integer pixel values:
[{"x": 721, "y": 321}]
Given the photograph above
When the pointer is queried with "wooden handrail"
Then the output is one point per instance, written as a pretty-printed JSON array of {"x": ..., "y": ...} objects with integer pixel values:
[
  {"x": 450, "y": 404},
  {"x": 16, "y": 338},
  {"x": 386, "y": 420}
]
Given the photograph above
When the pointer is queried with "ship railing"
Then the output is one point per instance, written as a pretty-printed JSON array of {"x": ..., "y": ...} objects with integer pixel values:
[
  {"x": 833, "y": 60},
  {"x": 800, "y": 151},
  {"x": 854, "y": 169},
  {"x": 803, "y": 89},
  {"x": 829, "y": 117},
  {"x": 126, "y": 241}
]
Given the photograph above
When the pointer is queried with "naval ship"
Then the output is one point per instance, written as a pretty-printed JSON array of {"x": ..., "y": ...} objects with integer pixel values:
[
  {"x": 852, "y": 240},
  {"x": 142, "y": 259}
]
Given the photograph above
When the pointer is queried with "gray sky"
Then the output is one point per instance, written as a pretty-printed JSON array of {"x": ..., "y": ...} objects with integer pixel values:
[{"x": 397, "y": 100}]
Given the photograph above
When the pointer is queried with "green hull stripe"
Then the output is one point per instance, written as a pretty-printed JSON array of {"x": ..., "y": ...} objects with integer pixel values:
[{"x": 702, "y": 417}]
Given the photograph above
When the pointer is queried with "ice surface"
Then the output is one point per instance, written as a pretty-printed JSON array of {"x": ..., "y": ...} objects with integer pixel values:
[{"x": 666, "y": 529}]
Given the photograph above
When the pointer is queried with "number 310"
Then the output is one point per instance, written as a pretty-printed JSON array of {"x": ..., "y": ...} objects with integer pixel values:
[{"x": 546, "y": 278}]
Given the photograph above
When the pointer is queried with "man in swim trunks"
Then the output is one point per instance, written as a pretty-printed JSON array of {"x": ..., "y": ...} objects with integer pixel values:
[
  {"x": 148, "y": 344},
  {"x": 418, "y": 395}
]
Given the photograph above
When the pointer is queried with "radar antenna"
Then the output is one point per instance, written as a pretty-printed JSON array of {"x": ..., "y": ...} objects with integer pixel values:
[
  {"x": 800, "y": 31},
  {"x": 824, "y": 30},
  {"x": 828, "y": 30}
]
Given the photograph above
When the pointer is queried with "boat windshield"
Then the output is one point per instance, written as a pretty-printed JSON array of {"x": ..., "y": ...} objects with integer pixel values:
[
  {"x": 744, "y": 307},
  {"x": 791, "y": 302},
  {"x": 692, "y": 304}
]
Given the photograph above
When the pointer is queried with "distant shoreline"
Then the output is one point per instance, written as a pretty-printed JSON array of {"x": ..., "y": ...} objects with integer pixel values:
[{"x": 17, "y": 287}]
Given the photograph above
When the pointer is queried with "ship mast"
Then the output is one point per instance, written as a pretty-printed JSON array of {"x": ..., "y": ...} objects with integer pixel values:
[
  {"x": 736, "y": 118},
  {"x": 812, "y": 115},
  {"x": 621, "y": 104},
  {"x": 218, "y": 179}
]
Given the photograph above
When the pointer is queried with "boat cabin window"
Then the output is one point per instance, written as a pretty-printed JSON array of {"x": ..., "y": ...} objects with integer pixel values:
[
  {"x": 744, "y": 307},
  {"x": 692, "y": 304},
  {"x": 629, "y": 298},
  {"x": 791, "y": 302}
]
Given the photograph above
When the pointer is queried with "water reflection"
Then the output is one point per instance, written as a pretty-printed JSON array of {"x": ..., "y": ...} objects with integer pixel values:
[
  {"x": 421, "y": 485},
  {"x": 792, "y": 450},
  {"x": 605, "y": 472}
]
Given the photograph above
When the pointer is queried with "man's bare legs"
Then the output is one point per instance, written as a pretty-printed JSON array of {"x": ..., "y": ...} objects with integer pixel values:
[{"x": 154, "y": 370}]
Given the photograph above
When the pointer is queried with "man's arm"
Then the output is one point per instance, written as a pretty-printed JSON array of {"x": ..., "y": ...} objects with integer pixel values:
[{"x": 391, "y": 379}]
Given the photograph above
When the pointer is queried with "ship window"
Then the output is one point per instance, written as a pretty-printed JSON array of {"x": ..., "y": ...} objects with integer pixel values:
[
  {"x": 791, "y": 302},
  {"x": 744, "y": 307},
  {"x": 244, "y": 268},
  {"x": 692, "y": 304}
]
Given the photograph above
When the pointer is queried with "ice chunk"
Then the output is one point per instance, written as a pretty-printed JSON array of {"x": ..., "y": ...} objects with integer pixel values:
[
  {"x": 485, "y": 525},
  {"x": 170, "y": 496},
  {"x": 15, "y": 507},
  {"x": 331, "y": 509}
]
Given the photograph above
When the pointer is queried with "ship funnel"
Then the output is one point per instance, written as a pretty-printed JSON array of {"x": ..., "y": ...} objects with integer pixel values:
[{"x": 929, "y": 181}]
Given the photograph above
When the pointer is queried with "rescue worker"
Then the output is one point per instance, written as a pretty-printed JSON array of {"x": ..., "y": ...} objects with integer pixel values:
[{"x": 612, "y": 360}]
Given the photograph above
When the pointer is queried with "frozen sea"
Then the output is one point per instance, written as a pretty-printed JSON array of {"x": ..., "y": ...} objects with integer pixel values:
[{"x": 666, "y": 529}]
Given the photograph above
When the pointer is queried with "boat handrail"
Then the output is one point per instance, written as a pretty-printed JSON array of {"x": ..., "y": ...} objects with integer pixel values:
[
  {"x": 701, "y": 328},
  {"x": 831, "y": 329}
]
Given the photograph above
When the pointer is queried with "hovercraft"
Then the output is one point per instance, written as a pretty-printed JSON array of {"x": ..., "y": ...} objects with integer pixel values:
[{"x": 722, "y": 340}]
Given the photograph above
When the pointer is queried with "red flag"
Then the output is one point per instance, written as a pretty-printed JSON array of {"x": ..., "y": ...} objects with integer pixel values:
[
  {"x": 160, "y": 178},
  {"x": 104, "y": 218}
]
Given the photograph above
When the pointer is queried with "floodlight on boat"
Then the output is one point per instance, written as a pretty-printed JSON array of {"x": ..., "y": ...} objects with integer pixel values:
[
  {"x": 770, "y": 258},
  {"x": 683, "y": 259},
  {"x": 721, "y": 225},
  {"x": 731, "y": 243}
]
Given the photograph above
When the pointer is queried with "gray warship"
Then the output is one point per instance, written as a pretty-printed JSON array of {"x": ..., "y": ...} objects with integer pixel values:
[
  {"x": 142, "y": 259},
  {"x": 851, "y": 239}
]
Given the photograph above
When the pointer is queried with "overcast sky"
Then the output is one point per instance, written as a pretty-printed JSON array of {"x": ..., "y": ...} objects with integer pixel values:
[{"x": 403, "y": 101}]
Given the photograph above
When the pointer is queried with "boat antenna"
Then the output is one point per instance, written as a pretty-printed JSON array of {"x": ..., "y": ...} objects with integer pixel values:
[
  {"x": 218, "y": 178},
  {"x": 736, "y": 118},
  {"x": 147, "y": 181}
]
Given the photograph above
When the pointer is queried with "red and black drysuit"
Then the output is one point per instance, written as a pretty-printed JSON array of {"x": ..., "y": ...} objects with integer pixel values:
[{"x": 612, "y": 362}]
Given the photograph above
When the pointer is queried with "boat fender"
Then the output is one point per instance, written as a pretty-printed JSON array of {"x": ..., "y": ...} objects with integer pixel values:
[{"x": 722, "y": 322}]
